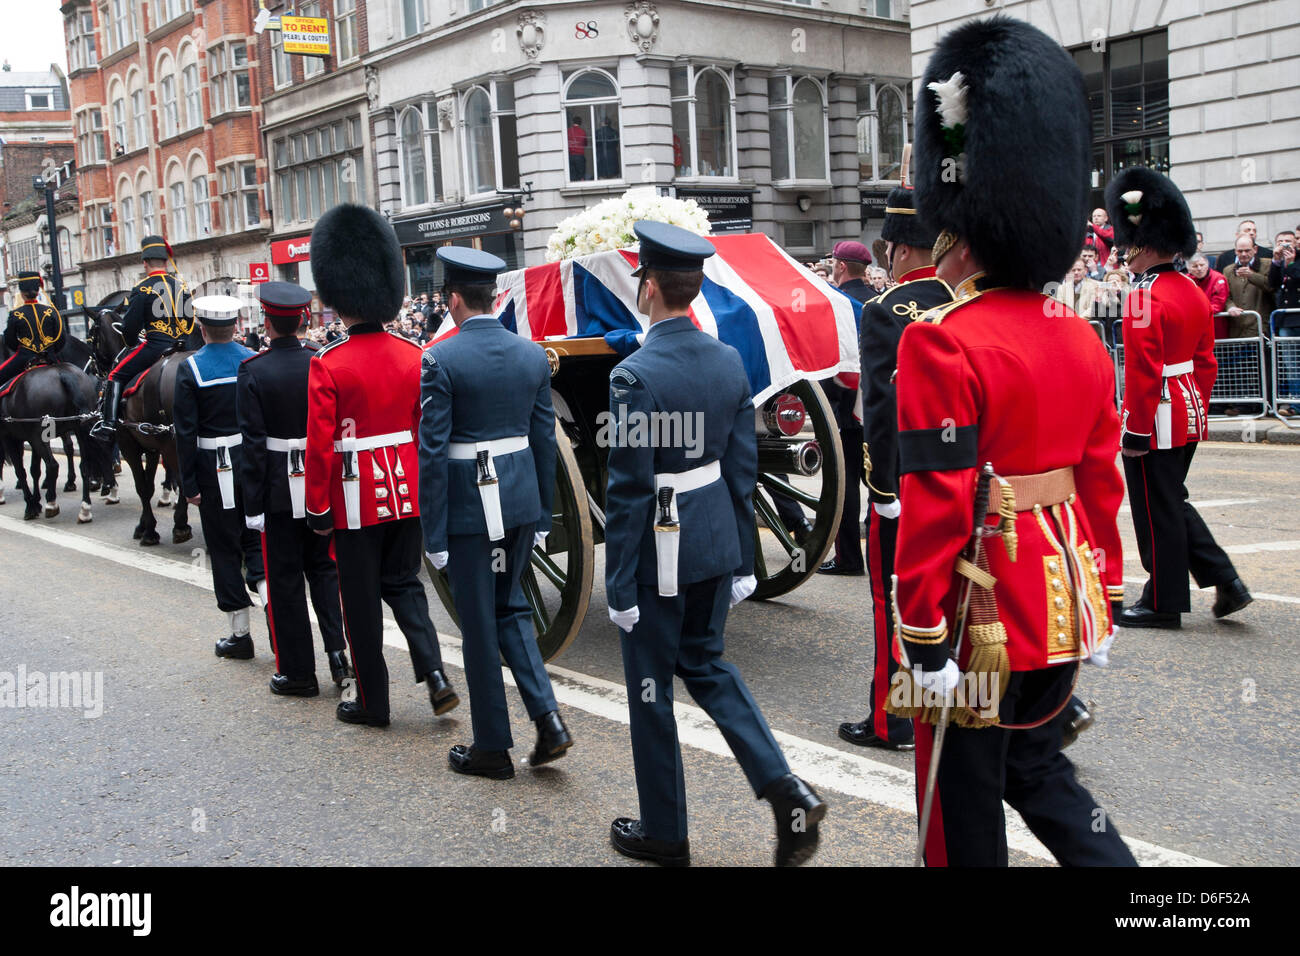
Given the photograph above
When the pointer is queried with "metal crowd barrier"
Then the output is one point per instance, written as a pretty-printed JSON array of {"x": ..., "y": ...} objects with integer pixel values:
[
  {"x": 1286, "y": 367},
  {"x": 1243, "y": 369}
]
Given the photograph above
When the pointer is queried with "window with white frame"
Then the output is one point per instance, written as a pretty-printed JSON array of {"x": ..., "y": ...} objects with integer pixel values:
[
  {"x": 591, "y": 126},
  {"x": 797, "y": 119},
  {"x": 120, "y": 140},
  {"x": 345, "y": 30},
  {"x": 139, "y": 114},
  {"x": 311, "y": 65},
  {"x": 92, "y": 236},
  {"x": 202, "y": 207},
  {"x": 490, "y": 140},
  {"x": 316, "y": 169},
  {"x": 193, "y": 114},
  {"x": 164, "y": 11},
  {"x": 40, "y": 100},
  {"x": 118, "y": 20},
  {"x": 882, "y": 130},
  {"x": 703, "y": 121},
  {"x": 281, "y": 67},
  {"x": 415, "y": 171},
  {"x": 177, "y": 208},
  {"x": 25, "y": 254},
  {"x": 412, "y": 17},
  {"x": 92, "y": 141},
  {"x": 167, "y": 102},
  {"x": 126, "y": 217},
  {"x": 228, "y": 77},
  {"x": 144, "y": 195},
  {"x": 81, "y": 41}
]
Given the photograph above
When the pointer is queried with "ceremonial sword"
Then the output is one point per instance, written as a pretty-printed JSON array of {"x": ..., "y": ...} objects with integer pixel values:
[{"x": 959, "y": 631}]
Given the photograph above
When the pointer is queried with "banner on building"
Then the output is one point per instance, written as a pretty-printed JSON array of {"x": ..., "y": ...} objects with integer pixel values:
[{"x": 306, "y": 36}]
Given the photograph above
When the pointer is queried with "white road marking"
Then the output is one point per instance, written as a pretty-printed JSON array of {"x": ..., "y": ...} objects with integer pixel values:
[
  {"x": 1257, "y": 595},
  {"x": 1212, "y": 503},
  {"x": 822, "y": 766}
]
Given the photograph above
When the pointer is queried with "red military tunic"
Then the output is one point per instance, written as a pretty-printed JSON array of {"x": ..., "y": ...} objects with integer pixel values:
[
  {"x": 363, "y": 389},
  {"x": 1001, "y": 376},
  {"x": 1168, "y": 358}
]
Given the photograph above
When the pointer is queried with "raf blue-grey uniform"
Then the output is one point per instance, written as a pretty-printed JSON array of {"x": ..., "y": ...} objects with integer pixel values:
[
  {"x": 486, "y": 384},
  {"x": 688, "y": 373}
]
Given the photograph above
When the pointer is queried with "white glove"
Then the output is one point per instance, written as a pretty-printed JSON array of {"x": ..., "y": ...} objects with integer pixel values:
[
  {"x": 626, "y": 620},
  {"x": 891, "y": 510},
  {"x": 539, "y": 538},
  {"x": 742, "y": 588},
  {"x": 940, "y": 683},
  {"x": 437, "y": 558},
  {"x": 255, "y": 522},
  {"x": 1101, "y": 653}
]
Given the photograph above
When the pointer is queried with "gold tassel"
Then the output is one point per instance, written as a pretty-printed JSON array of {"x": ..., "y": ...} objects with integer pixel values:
[
  {"x": 992, "y": 667},
  {"x": 1007, "y": 514}
]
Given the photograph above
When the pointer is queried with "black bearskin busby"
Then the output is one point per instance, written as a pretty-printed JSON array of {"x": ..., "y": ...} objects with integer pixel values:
[
  {"x": 1003, "y": 148},
  {"x": 1149, "y": 212},
  {"x": 903, "y": 224},
  {"x": 357, "y": 263}
]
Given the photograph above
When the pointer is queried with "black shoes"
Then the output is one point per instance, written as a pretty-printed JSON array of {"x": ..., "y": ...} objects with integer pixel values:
[
  {"x": 798, "y": 811},
  {"x": 1231, "y": 597},
  {"x": 629, "y": 839},
  {"x": 291, "y": 687},
  {"x": 351, "y": 712},
  {"x": 236, "y": 648},
  {"x": 801, "y": 532},
  {"x": 552, "y": 739},
  {"x": 863, "y": 735},
  {"x": 833, "y": 567},
  {"x": 1139, "y": 615},
  {"x": 1075, "y": 719},
  {"x": 493, "y": 764},
  {"x": 441, "y": 696},
  {"x": 340, "y": 669}
]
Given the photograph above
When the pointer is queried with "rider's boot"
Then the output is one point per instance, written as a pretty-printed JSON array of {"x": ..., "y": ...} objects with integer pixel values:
[{"x": 106, "y": 428}]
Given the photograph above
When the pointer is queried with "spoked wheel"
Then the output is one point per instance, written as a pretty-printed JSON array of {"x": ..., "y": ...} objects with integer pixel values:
[
  {"x": 800, "y": 479},
  {"x": 557, "y": 584}
]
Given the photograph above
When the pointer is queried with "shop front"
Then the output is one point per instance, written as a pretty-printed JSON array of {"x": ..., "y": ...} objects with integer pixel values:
[
  {"x": 495, "y": 228},
  {"x": 291, "y": 262}
]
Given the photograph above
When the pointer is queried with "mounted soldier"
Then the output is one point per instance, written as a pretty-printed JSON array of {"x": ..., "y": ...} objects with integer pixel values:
[{"x": 34, "y": 331}]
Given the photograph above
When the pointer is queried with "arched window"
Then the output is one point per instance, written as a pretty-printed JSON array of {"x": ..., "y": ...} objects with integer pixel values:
[
  {"x": 593, "y": 139},
  {"x": 702, "y": 105},
  {"x": 168, "y": 105},
  {"x": 144, "y": 199},
  {"x": 139, "y": 112},
  {"x": 193, "y": 98},
  {"x": 178, "y": 225},
  {"x": 480, "y": 155},
  {"x": 797, "y": 120},
  {"x": 415, "y": 172},
  {"x": 126, "y": 214},
  {"x": 200, "y": 193},
  {"x": 117, "y": 99},
  {"x": 893, "y": 131}
]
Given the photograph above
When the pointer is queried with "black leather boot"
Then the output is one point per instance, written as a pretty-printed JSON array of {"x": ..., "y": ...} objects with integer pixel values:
[
  {"x": 1231, "y": 597},
  {"x": 493, "y": 764},
  {"x": 441, "y": 696},
  {"x": 351, "y": 712},
  {"x": 1075, "y": 719},
  {"x": 629, "y": 838},
  {"x": 798, "y": 811},
  {"x": 552, "y": 739},
  {"x": 1139, "y": 615},
  {"x": 106, "y": 428},
  {"x": 294, "y": 687},
  {"x": 340, "y": 669},
  {"x": 238, "y": 648}
]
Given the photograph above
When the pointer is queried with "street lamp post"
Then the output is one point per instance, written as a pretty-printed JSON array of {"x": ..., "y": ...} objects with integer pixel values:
[{"x": 56, "y": 269}]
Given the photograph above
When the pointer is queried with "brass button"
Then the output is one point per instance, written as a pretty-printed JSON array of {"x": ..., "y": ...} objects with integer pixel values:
[
  {"x": 1060, "y": 603},
  {"x": 1056, "y": 583},
  {"x": 1062, "y": 638},
  {"x": 1060, "y": 620},
  {"x": 1052, "y": 566}
]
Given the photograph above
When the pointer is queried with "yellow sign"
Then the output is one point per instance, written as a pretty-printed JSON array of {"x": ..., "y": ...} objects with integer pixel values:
[{"x": 306, "y": 36}]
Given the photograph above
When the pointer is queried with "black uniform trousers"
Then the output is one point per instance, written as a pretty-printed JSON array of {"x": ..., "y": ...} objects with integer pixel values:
[
  {"x": 979, "y": 768},
  {"x": 383, "y": 560},
  {"x": 234, "y": 552},
  {"x": 290, "y": 550},
  {"x": 15, "y": 365},
  {"x": 140, "y": 359},
  {"x": 1172, "y": 538},
  {"x": 848, "y": 537},
  {"x": 683, "y": 635},
  {"x": 882, "y": 539},
  {"x": 496, "y": 622}
]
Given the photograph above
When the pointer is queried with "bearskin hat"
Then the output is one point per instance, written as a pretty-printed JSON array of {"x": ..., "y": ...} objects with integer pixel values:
[
  {"x": 357, "y": 263},
  {"x": 1149, "y": 212},
  {"x": 1003, "y": 148},
  {"x": 903, "y": 224}
]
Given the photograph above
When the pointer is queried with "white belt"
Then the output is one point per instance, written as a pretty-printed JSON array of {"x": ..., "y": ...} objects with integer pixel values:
[
  {"x": 1173, "y": 371},
  {"x": 684, "y": 481},
  {"x": 462, "y": 450},
  {"x": 285, "y": 444},
  {"x": 221, "y": 441},
  {"x": 373, "y": 442},
  {"x": 225, "y": 470},
  {"x": 297, "y": 477}
]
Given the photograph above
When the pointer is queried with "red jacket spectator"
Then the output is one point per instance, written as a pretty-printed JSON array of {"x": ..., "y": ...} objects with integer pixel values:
[{"x": 1215, "y": 287}]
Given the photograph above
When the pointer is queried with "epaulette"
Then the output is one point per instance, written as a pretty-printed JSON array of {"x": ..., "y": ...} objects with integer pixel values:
[
  {"x": 251, "y": 357},
  {"x": 940, "y": 312},
  {"x": 325, "y": 348}
]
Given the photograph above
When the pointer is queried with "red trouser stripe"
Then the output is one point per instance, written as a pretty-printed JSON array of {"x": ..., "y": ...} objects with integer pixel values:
[
  {"x": 936, "y": 852},
  {"x": 270, "y": 611},
  {"x": 135, "y": 351},
  {"x": 880, "y": 627}
]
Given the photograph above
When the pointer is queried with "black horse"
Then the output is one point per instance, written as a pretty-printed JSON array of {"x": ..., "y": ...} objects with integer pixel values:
[
  {"x": 49, "y": 401},
  {"x": 145, "y": 434}
]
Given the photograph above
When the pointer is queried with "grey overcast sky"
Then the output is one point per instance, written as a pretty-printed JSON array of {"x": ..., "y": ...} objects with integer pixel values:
[{"x": 31, "y": 35}]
